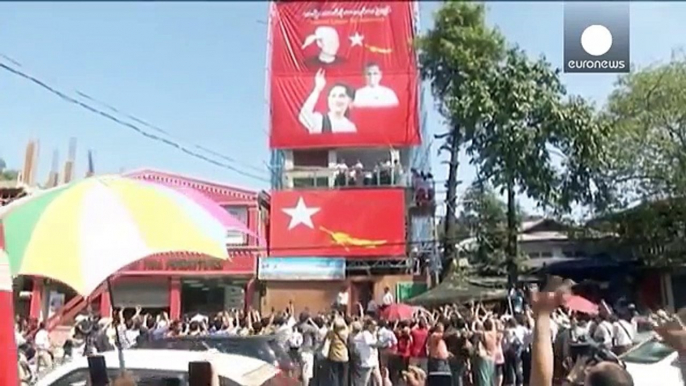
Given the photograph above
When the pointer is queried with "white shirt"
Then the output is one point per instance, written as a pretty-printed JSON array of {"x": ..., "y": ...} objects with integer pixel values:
[
  {"x": 379, "y": 96},
  {"x": 603, "y": 333},
  {"x": 365, "y": 343},
  {"x": 372, "y": 306},
  {"x": 387, "y": 338},
  {"x": 19, "y": 338},
  {"x": 623, "y": 333},
  {"x": 42, "y": 340},
  {"x": 342, "y": 298},
  {"x": 387, "y": 299},
  {"x": 553, "y": 329}
]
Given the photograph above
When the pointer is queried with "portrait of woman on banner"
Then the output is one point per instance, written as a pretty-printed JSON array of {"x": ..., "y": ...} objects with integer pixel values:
[{"x": 339, "y": 103}]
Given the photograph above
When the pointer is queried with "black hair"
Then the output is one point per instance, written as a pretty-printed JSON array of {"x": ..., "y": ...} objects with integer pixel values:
[
  {"x": 304, "y": 316},
  {"x": 609, "y": 374},
  {"x": 349, "y": 91},
  {"x": 372, "y": 64}
]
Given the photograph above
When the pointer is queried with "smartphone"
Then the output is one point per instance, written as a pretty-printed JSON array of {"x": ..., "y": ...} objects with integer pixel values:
[
  {"x": 98, "y": 370},
  {"x": 199, "y": 374}
]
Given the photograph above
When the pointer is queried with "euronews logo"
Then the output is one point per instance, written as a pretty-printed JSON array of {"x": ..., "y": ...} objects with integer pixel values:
[{"x": 596, "y": 38}]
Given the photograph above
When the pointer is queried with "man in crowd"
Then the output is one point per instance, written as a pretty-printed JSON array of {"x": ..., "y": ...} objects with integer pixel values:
[{"x": 544, "y": 303}]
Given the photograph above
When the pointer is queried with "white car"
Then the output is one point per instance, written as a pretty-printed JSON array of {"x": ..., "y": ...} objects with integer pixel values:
[
  {"x": 153, "y": 367},
  {"x": 653, "y": 363}
]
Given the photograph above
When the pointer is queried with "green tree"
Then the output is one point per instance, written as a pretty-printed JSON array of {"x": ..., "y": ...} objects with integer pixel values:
[
  {"x": 512, "y": 115},
  {"x": 456, "y": 55},
  {"x": 646, "y": 110},
  {"x": 8, "y": 175},
  {"x": 647, "y": 163}
]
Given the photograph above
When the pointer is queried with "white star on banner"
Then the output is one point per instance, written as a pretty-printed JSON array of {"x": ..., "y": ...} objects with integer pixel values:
[
  {"x": 300, "y": 214},
  {"x": 356, "y": 40}
]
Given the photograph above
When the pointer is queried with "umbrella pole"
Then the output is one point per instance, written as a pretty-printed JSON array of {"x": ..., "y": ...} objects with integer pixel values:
[{"x": 117, "y": 338}]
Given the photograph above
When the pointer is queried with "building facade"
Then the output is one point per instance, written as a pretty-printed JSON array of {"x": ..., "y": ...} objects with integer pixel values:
[
  {"x": 180, "y": 283},
  {"x": 351, "y": 207}
]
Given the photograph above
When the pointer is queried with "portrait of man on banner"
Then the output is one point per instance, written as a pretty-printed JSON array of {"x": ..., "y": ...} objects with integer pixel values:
[
  {"x": 373, "y": 94},
  {"x": 328, "y": 42}
]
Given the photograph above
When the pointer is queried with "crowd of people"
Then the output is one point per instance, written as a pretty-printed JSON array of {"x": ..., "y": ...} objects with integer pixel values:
[
  {"x": 472, "y": 344},
  {"x": 383, "y": 173}
]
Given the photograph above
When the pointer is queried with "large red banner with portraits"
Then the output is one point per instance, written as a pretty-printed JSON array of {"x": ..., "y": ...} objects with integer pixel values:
[
  {"x": 341, "y": 223},
  {"x": 343, "y": 74}
]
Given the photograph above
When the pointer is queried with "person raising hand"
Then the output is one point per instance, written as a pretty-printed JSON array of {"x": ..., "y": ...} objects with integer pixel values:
[{"x": 544, "y": 303}]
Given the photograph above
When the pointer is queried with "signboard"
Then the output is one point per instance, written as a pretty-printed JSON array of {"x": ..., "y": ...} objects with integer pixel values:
[
  {"x": 346, "y": 222},
  {"x": 238, "y": 263},
  {"x": 343, "y": 74},
  {"x": 301, "y": 268}
]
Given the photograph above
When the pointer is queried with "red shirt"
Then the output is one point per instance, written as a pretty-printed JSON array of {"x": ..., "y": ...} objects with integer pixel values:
[
  {"x": 419, "y": 336},
  {"x": 403, "y": 347}
]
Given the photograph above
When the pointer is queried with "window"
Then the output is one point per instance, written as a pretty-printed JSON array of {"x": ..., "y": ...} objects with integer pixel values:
[
  {"x": 241, "y": 214},
  {"x": 311, "y": 158},
  {"x": 309, "y": 182}
]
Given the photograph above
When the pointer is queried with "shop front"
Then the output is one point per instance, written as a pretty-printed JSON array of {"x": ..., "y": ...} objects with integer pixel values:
[
  {"x": 185, "y": 284},
  {"x": 310, "y": 283}
]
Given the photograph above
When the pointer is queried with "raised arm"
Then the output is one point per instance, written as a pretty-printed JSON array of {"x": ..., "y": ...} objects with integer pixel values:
[
  {"x": 544, "y": 304},
  {"x": 308, "y": 117}
]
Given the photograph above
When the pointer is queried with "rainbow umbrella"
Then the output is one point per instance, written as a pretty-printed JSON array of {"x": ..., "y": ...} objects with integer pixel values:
[{"x": 85, "y": 231}]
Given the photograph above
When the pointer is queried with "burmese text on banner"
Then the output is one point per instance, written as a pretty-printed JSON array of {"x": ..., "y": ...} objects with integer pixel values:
[
  {"x": 343, "y": 74},
  {"x": 364, "y": 222}
]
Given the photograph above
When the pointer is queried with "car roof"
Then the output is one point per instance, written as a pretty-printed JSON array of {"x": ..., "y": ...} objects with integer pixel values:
[{"x": 241, "y": 369}]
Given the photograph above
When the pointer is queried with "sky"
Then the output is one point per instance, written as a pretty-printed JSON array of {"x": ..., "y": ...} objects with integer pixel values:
[{"x": 197, "y": 72}]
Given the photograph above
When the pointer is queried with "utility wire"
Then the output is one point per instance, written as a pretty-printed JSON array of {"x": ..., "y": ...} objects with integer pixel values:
[
  {"x": 143, "y": 122},
  {"x": 129, "y": 125}
]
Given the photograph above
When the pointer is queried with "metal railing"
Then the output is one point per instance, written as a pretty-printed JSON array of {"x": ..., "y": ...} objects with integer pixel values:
[{"x": 346, "y": 178}]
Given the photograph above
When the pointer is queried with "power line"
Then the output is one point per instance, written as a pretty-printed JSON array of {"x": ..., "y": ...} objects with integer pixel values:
[{"x": 129, "y": 125}]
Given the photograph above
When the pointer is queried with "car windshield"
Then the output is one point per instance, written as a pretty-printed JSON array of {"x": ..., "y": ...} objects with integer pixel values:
[{"x": 648, "y": 352}]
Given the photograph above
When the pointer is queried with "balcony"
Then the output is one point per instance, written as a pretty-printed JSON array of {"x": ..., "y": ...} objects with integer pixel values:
[{"x": 343, "y": 177}]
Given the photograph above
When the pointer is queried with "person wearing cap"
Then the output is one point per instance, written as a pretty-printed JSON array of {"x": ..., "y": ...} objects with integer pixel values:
[{"x": 327, "y": 40}]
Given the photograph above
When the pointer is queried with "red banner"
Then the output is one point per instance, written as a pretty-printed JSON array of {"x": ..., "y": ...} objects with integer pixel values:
[
  {"x": 355, "y": 222},
  {"x": 343, "y": 74}
]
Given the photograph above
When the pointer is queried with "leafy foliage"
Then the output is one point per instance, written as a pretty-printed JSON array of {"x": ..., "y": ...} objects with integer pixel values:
[
  {"x": 485, "y": 215},
  {"x": 529, "y": 123},
  {"x": 8, "y": 175},
  {"x": 511, "y": 114},
  {"x": 648, "y": 152},
  {"x": 646, "y": 162}
]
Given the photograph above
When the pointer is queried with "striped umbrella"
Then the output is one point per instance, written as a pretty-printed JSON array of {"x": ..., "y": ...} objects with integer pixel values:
[{"x": 83, "y": 232}]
